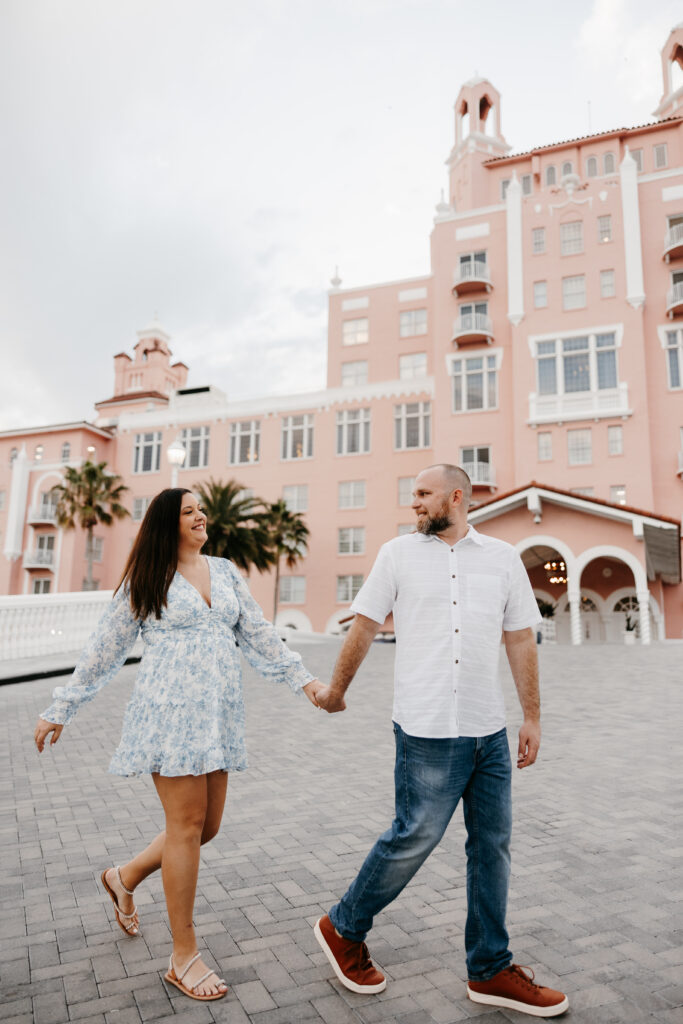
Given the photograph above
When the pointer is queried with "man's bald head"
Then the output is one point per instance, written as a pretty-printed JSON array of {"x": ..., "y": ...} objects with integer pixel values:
[{"x": 455, "y": 479}]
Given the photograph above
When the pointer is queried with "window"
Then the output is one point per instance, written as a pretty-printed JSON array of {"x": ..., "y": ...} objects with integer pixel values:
[
  {"x": 607, "y": 286},
  {"x": 147, "y": 452},
  {"x": 351, "y": 540},
  {"x": 405, "y": 528},
  {"x": 353, "y": 432},
  {"x": 661, "y": 159},
  {"x": 592, "y": 167},
  {"x": 574, "y": 292},
  {"x": 196, "y": 441},
  {"x": 475, "y": 383},
  {"x": 674, "y": 352},
  {"x": 66, "y": 451},
  {"x": 615, "y": 440},
  {"x": 351, "y": 494},
  {"x": 412, "y": 425},
  {"x": 245, "y": 442},
  {"x": 504, "y": 186},
  {"x": 96, "y": 548},
  {"x": 605, "y": 228},
  {"x": 293, "y": 590},
  {"x": 295, "y": 497},
  {"x": 579, "y": 447},
  {"x": 13, "y": 455},
  {"x": 637, "y": 155},
  {"x": 297, "y": 437},
  {"x": 567, "y": 168},
  {"x": 617, "y": 494},
  {"x": 41, "y": 586},
  {"x": 406, "y": 486},
  {"x": 476, "y": 461},
  {"x": 538, "y": 240},
  {"x": 540, "y": 294},
  {"x": 48, "y": 505},
  {"x": 355, "y": 373},
  {"x": 544, "y": 444},
  {"x": 585, "y": 492},
  {"x": 527, "y": 185},
  {"x": 550, "y": 175},
  {"x": 412, "y": 321},
  {"x": 569, "y": 365},
  {"x": 140, "y": 506},
  {"x": 39, "y": 452},
  {"x": 347, "y": 588},
  {"x": 412, "y": 366},
  {"x": 609, "y": 163},
  {"x": 473, "y": 265},
  {"x": 245, "y": 494},
  {"x": 355, "y": 332},
  {"x": 571, "y": 238}
]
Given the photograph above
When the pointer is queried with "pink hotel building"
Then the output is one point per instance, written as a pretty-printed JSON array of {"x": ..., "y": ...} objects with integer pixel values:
[{"x": 543, "y": 351}]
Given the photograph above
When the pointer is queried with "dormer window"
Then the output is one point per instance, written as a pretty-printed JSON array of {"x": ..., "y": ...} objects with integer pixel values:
[
  {"x": 609, "y": 163},
  {"x": 567, "y": 168},
  {"x": 551, "y": 175},
  {"x": 592, "y": 167}
]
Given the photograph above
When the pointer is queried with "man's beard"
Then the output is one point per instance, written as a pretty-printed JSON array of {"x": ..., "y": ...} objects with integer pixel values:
[{"x": 435, "y": 524}]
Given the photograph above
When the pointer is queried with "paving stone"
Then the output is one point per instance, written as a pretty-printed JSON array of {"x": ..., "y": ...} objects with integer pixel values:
[{"x": 253, "y": 995}]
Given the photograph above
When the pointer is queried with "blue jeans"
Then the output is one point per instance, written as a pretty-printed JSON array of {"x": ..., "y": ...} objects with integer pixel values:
[{"x": 431, "y": 775}]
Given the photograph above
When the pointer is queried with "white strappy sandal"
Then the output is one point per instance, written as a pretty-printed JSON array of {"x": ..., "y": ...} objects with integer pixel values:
[
  {"x": 177, "y": 979},
  {"x": 120, "y": 916}
]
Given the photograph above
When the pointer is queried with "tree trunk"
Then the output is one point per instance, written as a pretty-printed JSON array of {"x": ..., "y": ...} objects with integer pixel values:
[
  {"x": 89, "y": 553},
  {"x": 277, "y": 589}
]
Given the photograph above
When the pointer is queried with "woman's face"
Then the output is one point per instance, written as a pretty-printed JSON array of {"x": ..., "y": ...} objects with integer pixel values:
[{"x": 192, "y": 526}]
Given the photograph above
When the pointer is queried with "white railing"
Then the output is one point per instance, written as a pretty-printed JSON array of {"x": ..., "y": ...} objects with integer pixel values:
[
  {"x": 674, "y": 297},
  {"x": 41, "y": 558},
  {"x": 32, "y": 625},
  {"x": 473, "y": 323},
  {"x": 673, "y": 237},
  {"x": 471, "y": 272},
  {"x": 579, "y": 406},
  {"x": 43, "y": 514},
  {"x": 480, "y": 473}
]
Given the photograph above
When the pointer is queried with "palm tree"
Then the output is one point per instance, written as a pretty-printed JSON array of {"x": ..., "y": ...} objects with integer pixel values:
[
  {"x": 236, "y": 526},
  {"x": 289, "y": 537},
  {"x": 88, "y": 496}
]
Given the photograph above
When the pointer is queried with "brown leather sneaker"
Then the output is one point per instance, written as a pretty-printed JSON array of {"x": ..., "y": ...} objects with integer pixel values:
[
  {"x": 514, "y": 989},
  {"x": 350, "y": 960}
]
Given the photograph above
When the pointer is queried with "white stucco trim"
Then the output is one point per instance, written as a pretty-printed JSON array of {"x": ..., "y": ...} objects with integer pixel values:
[
  {"x": 515, "y": 255},
  {"x": 576, "y": 332},
  {"x": 633, "y": 251},
  {"x": 622, "y": 555},
  {"x": 294, "y": 618}
]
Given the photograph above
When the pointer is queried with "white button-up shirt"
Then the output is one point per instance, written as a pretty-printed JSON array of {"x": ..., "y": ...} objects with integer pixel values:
[{"x": 450, "y": 605}]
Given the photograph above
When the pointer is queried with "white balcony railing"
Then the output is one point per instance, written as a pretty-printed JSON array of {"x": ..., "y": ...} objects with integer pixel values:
[
  {"x": 673, "y": 241},
  {"x": 674, "y": 298},
  {"x": 43, "y": 514},
  {"x": 41, "y": 558},
  {"x": 471, "y": 274},
  {"x": 480, "y": 473},
  {"x": 33, "y": 625},
  {"x": 579, "y": 406},
  {"x": 473, "y": 326}
]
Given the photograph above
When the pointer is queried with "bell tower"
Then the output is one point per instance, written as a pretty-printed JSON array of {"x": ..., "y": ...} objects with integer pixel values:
[
  {"x": 478, "y": 137},
  {"x": 671, "y": 103}
]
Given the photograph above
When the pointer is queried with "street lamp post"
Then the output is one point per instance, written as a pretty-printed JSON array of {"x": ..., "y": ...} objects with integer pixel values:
[{"x": 175, "y": 453}]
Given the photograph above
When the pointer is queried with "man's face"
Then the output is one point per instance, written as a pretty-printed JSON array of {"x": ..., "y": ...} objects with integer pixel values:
[{"x": 430, "y": 503}]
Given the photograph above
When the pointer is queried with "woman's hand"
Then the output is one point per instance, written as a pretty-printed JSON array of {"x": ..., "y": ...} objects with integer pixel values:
[
  {"x": 43, "y": 730},
  {"x": 312, "y": 689}
]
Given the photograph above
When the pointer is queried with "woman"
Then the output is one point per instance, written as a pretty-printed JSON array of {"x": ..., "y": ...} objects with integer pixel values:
[{"x": 184, "y": 723}]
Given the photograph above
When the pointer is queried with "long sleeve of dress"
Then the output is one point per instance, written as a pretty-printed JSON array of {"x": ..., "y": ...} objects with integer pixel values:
[
  {"x": 102, "y": 657},
  {"x": 259, "y": 641}
]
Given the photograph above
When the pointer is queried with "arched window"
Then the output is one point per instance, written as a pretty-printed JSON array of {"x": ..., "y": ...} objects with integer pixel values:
[
  {"x": 12, "y": 455},
  {"x": 592, "y": 167},
  {"x": 550, "y": 175},
  {"x": 567, "y": 168},
  {"x": 627, "y": 604},
  {"x": 608, "y": 163},
  {"x": 66, "y": 451}
]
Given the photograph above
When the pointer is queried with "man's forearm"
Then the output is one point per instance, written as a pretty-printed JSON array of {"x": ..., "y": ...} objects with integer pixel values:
[
  {"x": 520, "y": 646},
  {"x": 356, "y": 646}
]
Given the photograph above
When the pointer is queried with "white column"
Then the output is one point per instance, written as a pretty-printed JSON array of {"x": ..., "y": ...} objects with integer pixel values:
[
  {"x": 513, "y": 201},
  {"x": 16, "y": 506},
  {"x": 633, "y": 251},
  {"x": 574, "y": 597},
  {"x": 644, "y": 615}
]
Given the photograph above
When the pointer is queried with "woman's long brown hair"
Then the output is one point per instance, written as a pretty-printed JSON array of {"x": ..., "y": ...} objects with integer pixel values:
[{"x": 153, "y": 559}]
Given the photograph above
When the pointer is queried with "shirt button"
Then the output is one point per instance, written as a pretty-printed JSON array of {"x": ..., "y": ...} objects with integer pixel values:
[
  {"x": 457, "y": 660},
  {"x": 455, "y": 602},
  {"x": 453, "y": 576},
  {"x": 457, "y": 631}
]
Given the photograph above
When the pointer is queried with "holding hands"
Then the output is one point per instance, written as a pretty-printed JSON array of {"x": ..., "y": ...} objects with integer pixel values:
[{"x": 324, "y": 697}]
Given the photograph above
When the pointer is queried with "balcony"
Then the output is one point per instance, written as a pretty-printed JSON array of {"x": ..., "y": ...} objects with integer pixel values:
[
  {"x": 42, "y": 515},
  {"x": 674, "y": 300},
  {"x": 41, "y": 558},
  {"x": 673, "y": 243},
  {"x": 471, "y": 277},
  {"x": 472, "y": 327},
  {"x": 582, "y": 405},
  {"x": 482, "y": 474}
]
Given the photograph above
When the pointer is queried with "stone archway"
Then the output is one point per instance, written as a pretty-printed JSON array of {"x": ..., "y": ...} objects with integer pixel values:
[
  {"x": 611, "y": 570},
  {"x": 542, "y": 550}
]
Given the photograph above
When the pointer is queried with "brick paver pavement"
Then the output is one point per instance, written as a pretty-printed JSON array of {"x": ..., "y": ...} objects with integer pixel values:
[{"x": 596, "y": 892}]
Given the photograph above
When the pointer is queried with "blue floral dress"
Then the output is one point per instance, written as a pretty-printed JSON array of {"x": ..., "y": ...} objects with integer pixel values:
[{"x": 186, "y": 714}]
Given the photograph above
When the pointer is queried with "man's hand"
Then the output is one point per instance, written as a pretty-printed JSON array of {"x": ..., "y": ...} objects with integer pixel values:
[
  {"x": 43, "y": 730},
  {"x": 330, "y": 700},
  {"x": 529, "y": 742}
]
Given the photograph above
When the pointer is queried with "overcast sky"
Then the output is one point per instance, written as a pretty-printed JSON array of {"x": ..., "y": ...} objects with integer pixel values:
[{"x": 214, "y": 161}]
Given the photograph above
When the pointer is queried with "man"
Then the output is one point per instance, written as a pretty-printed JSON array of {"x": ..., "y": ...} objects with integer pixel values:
[{"x": 452, "y": 592}]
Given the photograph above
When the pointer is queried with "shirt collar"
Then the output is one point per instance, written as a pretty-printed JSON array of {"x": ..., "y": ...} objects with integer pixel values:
[{"x": 471, "y": 535}]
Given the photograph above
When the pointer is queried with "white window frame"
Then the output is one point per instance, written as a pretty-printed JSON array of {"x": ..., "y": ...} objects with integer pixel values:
[
  {"x": 292, "y": 590},
  {"x": 541, "y": 351},
  {"x": 351, "y": 494},
  {"x": 575, "y": 449},
  {"x": 97, "y": 549},
  {"x": 571, "y": 238},
  {"x": 140, "y": 506},
  {"x": 540, "y": 294},
  {"x": 239, "y": 431},
  {"x": 66, "y": 451},
  {"x": 592, "y": 167},
  {"x": 295, "y": 497},
  {"x": 351, "y": 540},
  {"x": 605, "y": 228},
  {"x": 608, "y": 286},
  {"x": 353, "y": 431},
  {"x": 504, "y": 186},
  {"x": 567, "y": 168},
  {"x": 661, "y": 156},
  {"x": 609, "y": 163},
  {"x": 674, "y": 355},
  {"x": 147, "y": 440},
  {"x": 356, "y": 331},
  {"x": 537, "y": 241},
  {"x": 544, "y": 446},
  {"x": 290, "y": 428},
  {"x": 550, "y": 172},
  {"x": 412, "y": 322},
  {"x": 639, "y": 158},
  {"x": 196, "y": 442},
  {"x": 348, "y": 587},
  {"x": 412, "y": 366},
  {"x": 615, "y": 439},
  {"x": 406, "y": 486},
  {"x": 572, "y": 296},
  {"x": 41, "y": 585},
  {"x": 527, "y": 184},
  {"x": 457, "y": 364},
  {"x": 354, "y": 374},
  {"x": 408, "y": 411},
  {"x": 617, "y": 494}
]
